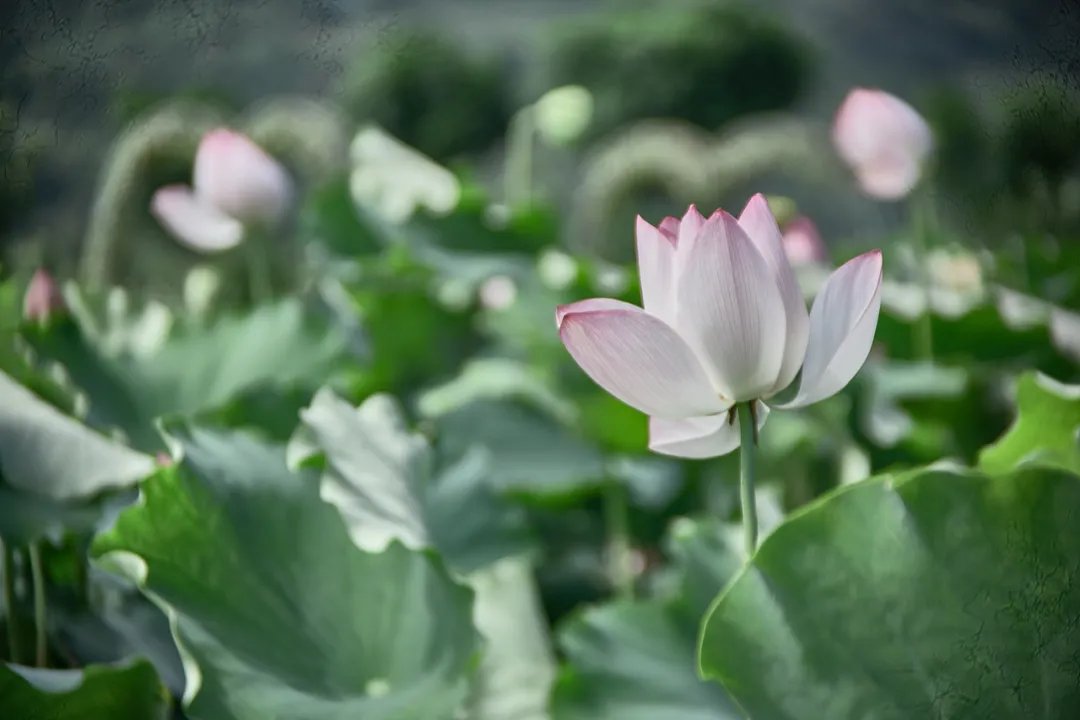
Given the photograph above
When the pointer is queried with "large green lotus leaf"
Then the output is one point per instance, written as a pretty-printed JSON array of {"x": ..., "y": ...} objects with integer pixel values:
[
  {"x": 940, "y": 594},
  {"x": 1046, "y": 429},
  {"x": 387, "y": 484},
  {"x": 46, "y": 452},
  {"x": 385, "y": 481},
  {"x": 98, "y": 692},
  {"x": 281, "y": 614},
  {"x": 195, "y": 369}
]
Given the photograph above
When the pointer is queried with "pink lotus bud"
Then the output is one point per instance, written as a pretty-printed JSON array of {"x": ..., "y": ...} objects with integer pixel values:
[
  {"x": 802, "y": 243},
  {"x": 236, "y": 184},
  {"x": 43, "y": 298},
  {"x": 884, "y": 140}
]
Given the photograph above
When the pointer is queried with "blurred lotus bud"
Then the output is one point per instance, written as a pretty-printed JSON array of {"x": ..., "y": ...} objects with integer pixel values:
[
  {"x": 236, "y": 184},
  {"x": 956, "y": 271},
  {"x": 802, "y": 242},
  {"x": 43, "y": 298},
  {"x": 563, "y": 114},
  {"x": 884, "y": 140},
  {"x": 612, "y": 279},
  {"x": 392, "y": 179},
  {"x": 557, "y": 269},
  {"x": 498, "y": 292}
]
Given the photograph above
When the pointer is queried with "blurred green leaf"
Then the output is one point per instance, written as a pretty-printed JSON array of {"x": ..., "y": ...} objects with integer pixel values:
[
  {"x": 1046, "y": 429},
  {"x": 532, "y": 455},
  {"x": 53, "y": 469},
  {"x": 98, "y": 692},
  {"x": 979, "y": 337},
  {"x": 705, "y": 558},
  {"x": 634, "y": 661},
  {"x": 414, "y": 338},
  {"x": 332, "y": 219},
  {"x": 388, "y": 486},
  {"x": 518, "y": 668},
  {"x": 242, "y": 552},
  {"x": 935, "y": 594},
  {"x": 195, "y": 369}
]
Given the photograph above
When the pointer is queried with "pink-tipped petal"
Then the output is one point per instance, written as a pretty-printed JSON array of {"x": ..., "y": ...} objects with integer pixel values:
[
  {"x": 883, "y": 139},
  {"x": 637, "y": 358},
  {"x": 842, "y": 324},
  {"x": 197, "y": 225},
  {"x": 760, "y": 224},
  {"x": 656, "y": 268},
  {"x": 690, "y": 225},
  {"x": 699, "y": 437},
  {"x": 239, "y": 178},
  {"x": 802, "y": 242},
  {"x": 669, "y": 229},
  {"x": 729, "y": 308}
]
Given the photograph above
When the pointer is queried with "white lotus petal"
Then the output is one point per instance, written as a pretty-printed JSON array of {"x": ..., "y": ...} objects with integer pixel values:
[
  {"x": 728, "y": 308},
  {"x": 699, "y": 437},
  {"x": 656, "y": 268},
  {"x": 758, "y": 222},
  {"x": 196, "y": 224},
  {"x": 842, "y": 324},
  {"x": 637, "y": 358}
]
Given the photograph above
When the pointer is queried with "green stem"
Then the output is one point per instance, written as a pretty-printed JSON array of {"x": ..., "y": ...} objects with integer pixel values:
[
  {"x": 256, "y": 252},
  {"x": 519, "y": 158},
  {"x": 8, "y": 557},
  {"x": 38, "y": 580},
  {"x": 747, "y": 472},
  {"x": 923, "y": 330},
  {"x": 620, "y": 560}
]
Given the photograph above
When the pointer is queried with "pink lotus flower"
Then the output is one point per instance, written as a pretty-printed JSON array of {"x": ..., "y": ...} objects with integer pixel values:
[
  {"x": 236, "y": 185},
  {"x": 724, "y": 322},
  {"x": 884, "y": 140},
  {"x": 802, "y": 243},
  {"x": 43, "y": 298}
]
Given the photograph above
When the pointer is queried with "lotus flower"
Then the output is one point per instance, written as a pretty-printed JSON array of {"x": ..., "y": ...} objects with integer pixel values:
[
  {"x": 43, "y": 298},
  {"x": 884, "y": 140},
  {"x": 236, "y": 185},
  {"x": 723, "y": 323},
  {"x": 802, "y": 242}
]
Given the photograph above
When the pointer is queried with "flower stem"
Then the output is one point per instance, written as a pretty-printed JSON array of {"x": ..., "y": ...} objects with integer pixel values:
[
  {"x": 7, "y": 555},
  {"x": 519, "y": 158},
  {"x": 620, "y": 562},
  {"x": 747, "y": 471},
  {"x": 256, "y": 253},
  {"x": 923, "y": 330},
  {"x": 37, "y": 575}
]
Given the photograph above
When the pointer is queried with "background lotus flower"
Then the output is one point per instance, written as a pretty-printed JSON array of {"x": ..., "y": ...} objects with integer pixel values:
[
  {"x": 884, "y": 140},
  {"x": 802, "y": 242},
  {"x": 43, "y": 297},
  {"x": 723, "y": 323},
  {"x": 236, "y": 185}
]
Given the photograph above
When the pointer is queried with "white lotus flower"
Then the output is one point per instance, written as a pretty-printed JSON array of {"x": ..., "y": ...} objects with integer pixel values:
[
  {"x": 884, "y": 140},
  {"x": 724, "y": 322},
  {"x": 236, "y": 184}
]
